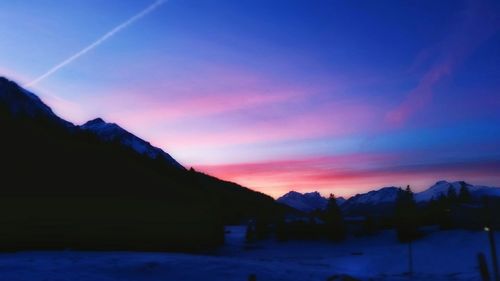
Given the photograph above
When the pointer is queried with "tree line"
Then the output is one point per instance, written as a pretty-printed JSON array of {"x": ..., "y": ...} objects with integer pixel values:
[{"x": 449, "y": 210}]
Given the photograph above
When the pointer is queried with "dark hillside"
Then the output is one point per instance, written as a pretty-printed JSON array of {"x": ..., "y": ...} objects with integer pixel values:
[{"x": 63, "y": 187}]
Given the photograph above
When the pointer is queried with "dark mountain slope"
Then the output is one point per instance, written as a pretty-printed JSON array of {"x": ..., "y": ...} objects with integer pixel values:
[
  {"x": 63, "y": 187},
  {"x": 112, "y": 132}
]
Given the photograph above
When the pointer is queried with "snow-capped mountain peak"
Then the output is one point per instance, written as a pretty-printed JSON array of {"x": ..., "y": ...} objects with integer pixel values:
[
  {"x": 95, "y": 122},
  {"x": 441, "y": 188},
  {"x": 383, "y": 195},
  {"x": 107, "y": 131},
  {"x": 306, "y": 202},
  {"x": 375, "y": 200},
  {"x": 20, "y": 102},
  {"x": 113, "y": 132},
  {"x": 313, "y": 194}
]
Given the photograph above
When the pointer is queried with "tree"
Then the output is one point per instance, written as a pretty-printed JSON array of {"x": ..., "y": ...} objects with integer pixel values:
[
  {"x": 281, "y": 229},
  {"x": 443, "y": 212},
  {"x": 262, "y": 229},
  {"x": 334, "y": 220},
  {"x": 406, "y": 218},
  {"x": 464, "y": 195},
  {"x": 369, "y": 225},
  {"x": 250, "y": 234},
  {"x": 452, "y": 195}
]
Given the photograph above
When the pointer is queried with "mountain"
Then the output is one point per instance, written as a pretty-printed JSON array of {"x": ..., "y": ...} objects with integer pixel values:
[
  {"x": 375, "y": 201},
  {"x": 340, "y": 200},
  {"x": 382, "y": 201},
  {"x": 83, "y": 187},
  {"x": 22, "y": 103},
  {"x": 441, "y": 188},
  {"x": 111, "y": 132},
  {"x": 306, "y": 202}
]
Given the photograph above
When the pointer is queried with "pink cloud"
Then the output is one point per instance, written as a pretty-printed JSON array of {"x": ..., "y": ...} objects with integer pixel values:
[
  {"x": 212, "y": 91},
  {"x": 328, "y": 119},
  {"x": 347, "y": 174},
  {"x": 226, "y": 106},
  {"x": 207, "y": 105}
]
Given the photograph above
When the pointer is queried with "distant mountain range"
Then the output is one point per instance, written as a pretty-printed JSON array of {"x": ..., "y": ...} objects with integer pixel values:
[
  {"x": 306, "y": 202},
  {"x": 380, "y": 199}
]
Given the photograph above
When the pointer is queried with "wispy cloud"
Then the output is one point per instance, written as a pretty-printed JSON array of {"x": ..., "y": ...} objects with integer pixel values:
[
  {"x": 98, "y": 42},
  {"x": 475, "y": 25},
  {"x": 326, "y": 120}
]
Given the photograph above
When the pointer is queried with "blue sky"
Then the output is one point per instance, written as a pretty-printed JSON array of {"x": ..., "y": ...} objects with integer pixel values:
[{"x": 347, "y": 95}]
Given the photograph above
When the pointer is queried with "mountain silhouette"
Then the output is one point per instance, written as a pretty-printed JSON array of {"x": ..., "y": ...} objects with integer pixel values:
[
  {"x": 306, "y": 202},
  {"x": 382, "y": 200},
  {"x": 98, "y": 186}
]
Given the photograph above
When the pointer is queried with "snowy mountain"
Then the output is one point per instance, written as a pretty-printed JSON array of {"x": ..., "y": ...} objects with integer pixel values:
[
  {"x": 442, "y": 187},
  {"x": 340, "y": 200},
  {"x": 383, "y": 195},
  {"x": 22, "y": 103},
  {"x": 380, "y": 200},
  {"x": 112, "y": 132},
  {"x": 306, "y": 202}
]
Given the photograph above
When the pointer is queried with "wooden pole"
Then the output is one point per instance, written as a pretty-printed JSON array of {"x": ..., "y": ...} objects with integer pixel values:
[
  {"x": 491, "y": 236},
  {"x": 410, "y": 259},
  {"x": 483, "y": 267},
  {"x": 494, "y": 258}
]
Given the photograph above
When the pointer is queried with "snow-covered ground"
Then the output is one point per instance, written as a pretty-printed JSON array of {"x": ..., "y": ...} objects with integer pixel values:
[{"x": 443, "y": 255}]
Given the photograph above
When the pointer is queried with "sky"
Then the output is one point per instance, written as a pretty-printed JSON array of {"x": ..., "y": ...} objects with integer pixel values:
[{"x": 331, "y": 96}]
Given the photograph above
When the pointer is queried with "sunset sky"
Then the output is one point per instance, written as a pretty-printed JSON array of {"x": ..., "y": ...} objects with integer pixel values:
[{"x": 333, "y": 96}]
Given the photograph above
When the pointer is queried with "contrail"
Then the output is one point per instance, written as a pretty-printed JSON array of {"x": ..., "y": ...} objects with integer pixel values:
[{"x": 98, "y": 42}]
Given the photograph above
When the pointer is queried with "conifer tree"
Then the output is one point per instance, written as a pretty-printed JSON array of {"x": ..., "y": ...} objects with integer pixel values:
[
  {"x": 281, "y": 230},
  {"x": 250, "y": 235},
  {"x": 464, "y": 195},
  {"x": 369, "y": 225},
  {"x": 452, "y": 196},
  {"x": 444, "y": 212},
  {"x": 334, "y": 220},
  {"x": 406, "y": 217}
]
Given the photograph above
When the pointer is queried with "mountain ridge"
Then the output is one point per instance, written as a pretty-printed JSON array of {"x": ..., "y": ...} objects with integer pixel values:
[
  {"x": 382, "y": 197},
  {"x": 306, "y": 202},
  {"x": 21, "y": 102},
  {"x": 113, "y": 132}
]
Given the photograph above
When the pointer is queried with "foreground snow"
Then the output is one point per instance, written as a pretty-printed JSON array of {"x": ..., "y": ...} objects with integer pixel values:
[{"x": 448, "y": 255}]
